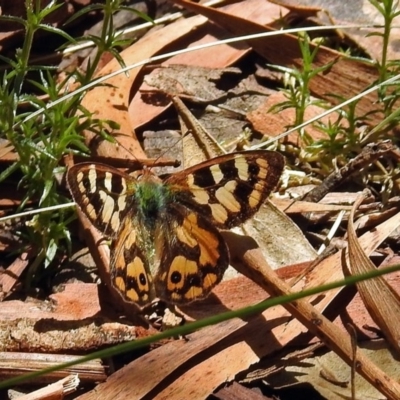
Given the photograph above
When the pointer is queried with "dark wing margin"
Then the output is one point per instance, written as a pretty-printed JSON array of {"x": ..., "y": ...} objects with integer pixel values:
[{"x": 229, "y": 189}]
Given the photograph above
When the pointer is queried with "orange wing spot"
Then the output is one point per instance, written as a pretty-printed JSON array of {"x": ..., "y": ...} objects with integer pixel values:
[
  {"x": 130, "y": 238},
  {"x": 134, "y": 269},
  {"x": 119, "y": 261},
  {"x": 263, "y": 164},
  {"x": 254, "y": 199},
  {"x": 200, "y": 195},
  {"x": 133, "y": 295},
  {"x": 115, "y": 221},
  {"x": 260, "y": 186},
  {"x": 184, "y": 235},
  {"x": 209, "y": 253},
  {"x": 107, "y": 181},
  {"x": 194, "y": 293},
  {"x": 119, "y": 284},
  {"x": 81, "y": 186},
  {"x": 121, "y": 202},
  {"x": 206, "y": 240},
  {"x": 210, "y": 281}
]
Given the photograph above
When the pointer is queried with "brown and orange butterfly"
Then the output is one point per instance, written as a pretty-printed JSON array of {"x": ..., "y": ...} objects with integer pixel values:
[{"x": 165, "y": 238}]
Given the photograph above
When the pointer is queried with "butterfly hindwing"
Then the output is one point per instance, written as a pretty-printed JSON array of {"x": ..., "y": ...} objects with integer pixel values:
[
  {"x": 103, "y": 193},
  {"x": 129, "y": 265},
  {"x": 193, "y": 256},
  {"x": 229, "y": 189}
]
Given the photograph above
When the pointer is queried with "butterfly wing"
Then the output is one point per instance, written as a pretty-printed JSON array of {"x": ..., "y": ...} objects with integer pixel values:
[
  {"x": 129, "y": 265},
  {"x": 192, "y": 256},
  {"x": 103, "y": 193},
  {"x": 228, "y": 189}
]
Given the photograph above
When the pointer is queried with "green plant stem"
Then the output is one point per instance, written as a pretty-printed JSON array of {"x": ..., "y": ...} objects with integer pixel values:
[{"x": 23, "y": 60}]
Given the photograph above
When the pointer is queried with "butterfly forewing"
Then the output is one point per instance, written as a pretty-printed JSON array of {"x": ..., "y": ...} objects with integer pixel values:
[
  {"x": 103, "y": 193},
  {"x": 229, "y": 189}
]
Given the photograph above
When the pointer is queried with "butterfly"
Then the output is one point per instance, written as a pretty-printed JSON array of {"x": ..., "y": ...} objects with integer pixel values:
[{"x": 164, "y": 231}]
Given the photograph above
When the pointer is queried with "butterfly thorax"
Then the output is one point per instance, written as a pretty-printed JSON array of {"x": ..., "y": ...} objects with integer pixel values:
[{"x": 152, "y": 197}]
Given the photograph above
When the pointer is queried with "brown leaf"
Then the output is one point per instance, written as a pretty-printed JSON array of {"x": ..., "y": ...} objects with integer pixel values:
[
  {"x": 344, "y": 79},
  {"x": 358, "y": 316},
  {"x": 280, "y": 239},
  {"x": 297, "y": 207},
  {"x": 238, "y": 392},
  {"x": 278, "y": 122},
  {"x": 111, "y": 101},
  {"x": 12, "y": 274},
  {"x": 379, "y": 297},
  {"x": 331, "y": 377},
  {"x": 221, "y": 56},
  {"x": 349, "y": 13}
]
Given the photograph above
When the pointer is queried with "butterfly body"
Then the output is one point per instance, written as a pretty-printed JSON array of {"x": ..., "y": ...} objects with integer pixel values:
[
  {"x": 165, "y": 241},
  {"x": 151, "y": 198}
]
